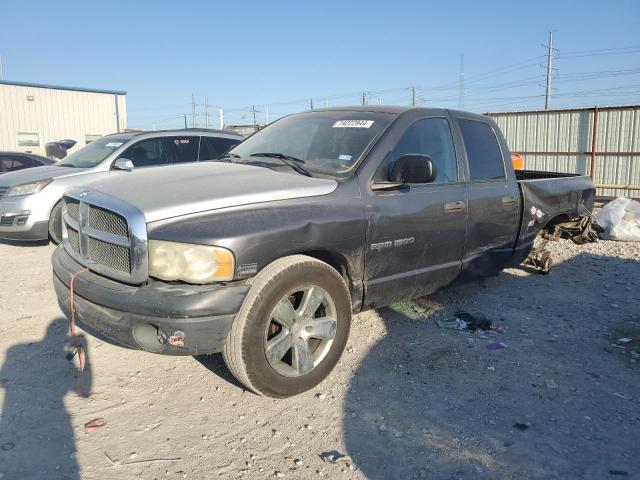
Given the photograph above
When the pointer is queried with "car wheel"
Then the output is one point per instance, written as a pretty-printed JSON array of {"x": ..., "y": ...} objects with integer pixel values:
[
  {"x": 291, "y": 329},
  {"x": 55, "y": 224}
]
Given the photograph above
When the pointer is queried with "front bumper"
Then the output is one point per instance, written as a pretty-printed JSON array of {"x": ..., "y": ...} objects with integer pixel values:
[
  {"x": 148, "y": 317},
  {"x": 17, "y": 221}
]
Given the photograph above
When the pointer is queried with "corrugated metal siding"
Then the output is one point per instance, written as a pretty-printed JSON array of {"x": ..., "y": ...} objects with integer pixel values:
[
  {"x": 571, "y": 131},
  {"x": 56, "y": 114}
]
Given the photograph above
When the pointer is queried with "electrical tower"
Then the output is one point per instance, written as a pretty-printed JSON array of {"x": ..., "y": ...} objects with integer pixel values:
[{"x": 550, "y": 50}]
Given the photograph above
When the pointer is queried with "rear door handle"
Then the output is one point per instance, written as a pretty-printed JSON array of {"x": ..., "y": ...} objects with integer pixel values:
[
  {"x": 509, "y": 200},
  {"x": 451, "y": 207}
]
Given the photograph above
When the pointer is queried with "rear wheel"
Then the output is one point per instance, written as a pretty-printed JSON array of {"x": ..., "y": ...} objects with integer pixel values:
[
  {"x": 291, "y": 329},
  {"x": 55, "y": 224}
]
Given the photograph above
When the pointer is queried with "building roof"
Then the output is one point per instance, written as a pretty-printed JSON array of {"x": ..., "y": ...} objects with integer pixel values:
[{"x": 58, "y": 87}]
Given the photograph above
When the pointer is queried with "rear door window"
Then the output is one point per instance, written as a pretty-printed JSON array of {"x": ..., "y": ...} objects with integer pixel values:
[
  {"x": 483, "y": 151},
  {"x": 432, "y": 137},
  {"x": 5, "y": 164},
  {"x": 148, "y": 153},
  {"x": 185, "y": 148},
  {"x": 13, "y": 163},
  {"x": 213, "y": 147}
]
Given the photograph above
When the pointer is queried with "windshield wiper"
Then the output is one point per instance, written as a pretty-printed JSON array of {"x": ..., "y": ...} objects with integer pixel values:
[
  {"x": 228, "y": 155},
  {"x": 292, "y": 162}
]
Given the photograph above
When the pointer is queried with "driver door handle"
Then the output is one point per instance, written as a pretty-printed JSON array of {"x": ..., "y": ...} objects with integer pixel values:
[{"x": 451, "y": 207}]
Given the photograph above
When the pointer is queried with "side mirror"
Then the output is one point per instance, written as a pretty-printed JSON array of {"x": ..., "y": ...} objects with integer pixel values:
[
  {"x": 412, "y": 168},
  {"x": 123, "y": 164}
]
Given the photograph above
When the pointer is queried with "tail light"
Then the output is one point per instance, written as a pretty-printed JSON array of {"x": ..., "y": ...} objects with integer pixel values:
[{"x": 517, "y": 161}]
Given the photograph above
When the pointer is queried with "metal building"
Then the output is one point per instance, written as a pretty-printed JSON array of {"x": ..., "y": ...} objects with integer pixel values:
[
  {"x": 603, "y": 142},
  {"x": 32, "y": 115}
]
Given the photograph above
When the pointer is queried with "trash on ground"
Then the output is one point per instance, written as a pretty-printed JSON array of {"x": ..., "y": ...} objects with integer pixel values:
[
  {"x": 456, "y": 324},
  {"x": 474, "y": 322},
  {"x": 496, "y": 345},
  {"x": 336, "y": 457},
  {"x": 481, "y": 334},
  {"x": 625, "y": 340},
  {"x": 94, "y": 424},
  {"x": 551, "y": 384},
  {"x": 620, "y": 220},
  {"x": 623, "y": 396},
  {"x": 521, "y": 426}
]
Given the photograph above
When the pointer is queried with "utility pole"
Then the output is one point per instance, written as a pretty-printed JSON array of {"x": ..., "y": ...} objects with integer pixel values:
[
  {"x": 254, "y": 111},
  {"x": 267, "y": 114},
  {"x": 364, "y": 98},
  {"x": 413, "y": 96},
  {"x": 326, "y": 102},
  {"x": 550, "y": 49},
  {"x": 461, "y": 85},
  {"x": 206, "y": 112},
  {"x": 193, "y": 111},
  {"x": 311, "y": 103},
  {"x": 185, "y": 121},
  {"x": 221, "y": 114}
]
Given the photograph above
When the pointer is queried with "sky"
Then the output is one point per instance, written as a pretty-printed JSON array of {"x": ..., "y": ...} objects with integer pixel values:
[{"x": 276, "y": 56}]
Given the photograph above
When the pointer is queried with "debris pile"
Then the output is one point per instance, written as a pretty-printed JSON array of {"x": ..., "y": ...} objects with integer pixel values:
[{"x": 480, "y": 326}]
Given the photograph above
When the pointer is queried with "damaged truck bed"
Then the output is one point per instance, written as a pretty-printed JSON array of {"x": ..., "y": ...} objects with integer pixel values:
[{"x": 265, "y": 254}]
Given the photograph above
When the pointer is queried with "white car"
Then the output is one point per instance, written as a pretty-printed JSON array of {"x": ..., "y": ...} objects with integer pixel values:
[{"x": 30, "y": 207}]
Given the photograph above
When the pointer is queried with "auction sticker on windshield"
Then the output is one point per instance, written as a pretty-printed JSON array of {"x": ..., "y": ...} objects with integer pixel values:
[
  {"x": 113, "y": 144},
  {"x": 353, "y": 124}
]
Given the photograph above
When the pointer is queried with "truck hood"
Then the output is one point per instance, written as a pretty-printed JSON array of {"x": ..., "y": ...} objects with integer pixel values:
[
  {"x": 35, "y": 174},
  {"x": 175, "y": 190}
]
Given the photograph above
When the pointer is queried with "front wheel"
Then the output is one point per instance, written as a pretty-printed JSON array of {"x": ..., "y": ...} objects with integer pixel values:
[
  {"x": 55, "y": 224},
  {"x": 291, "y": 329}
]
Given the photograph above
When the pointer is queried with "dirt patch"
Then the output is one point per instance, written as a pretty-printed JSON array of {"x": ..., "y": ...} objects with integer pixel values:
[{"x": 408, "y": 399}]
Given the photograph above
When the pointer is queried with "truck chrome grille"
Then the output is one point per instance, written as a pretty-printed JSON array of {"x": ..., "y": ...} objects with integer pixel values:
[
  {"x": 107, "y": 221},
  {"x": 74, "y": 239},
  {"x": 105, "y": 235},
  {"x": 73, "y": 208},
  {"x": 3, "y": 191},
  {"x": 110, "y": 255}
]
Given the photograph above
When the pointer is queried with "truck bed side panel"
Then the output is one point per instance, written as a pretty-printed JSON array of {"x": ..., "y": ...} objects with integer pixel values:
[{"x": 548, "y": 200}]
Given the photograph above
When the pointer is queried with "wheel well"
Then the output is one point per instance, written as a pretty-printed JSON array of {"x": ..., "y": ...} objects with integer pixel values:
[{"x": 335, "y": 260}]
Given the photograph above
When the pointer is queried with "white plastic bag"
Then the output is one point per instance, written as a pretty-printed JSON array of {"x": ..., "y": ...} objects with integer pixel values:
[{"x": 620, "y": 219}]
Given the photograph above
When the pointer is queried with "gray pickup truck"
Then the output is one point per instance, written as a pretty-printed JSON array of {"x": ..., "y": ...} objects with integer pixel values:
[{"x": 265, "y": 254}]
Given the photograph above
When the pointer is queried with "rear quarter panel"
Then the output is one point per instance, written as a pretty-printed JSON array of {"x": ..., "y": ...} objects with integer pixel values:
[{"x": 549, "y": 200}]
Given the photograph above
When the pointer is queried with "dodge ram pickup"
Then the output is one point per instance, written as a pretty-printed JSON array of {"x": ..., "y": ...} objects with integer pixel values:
[{"x": 265, "y": 254}]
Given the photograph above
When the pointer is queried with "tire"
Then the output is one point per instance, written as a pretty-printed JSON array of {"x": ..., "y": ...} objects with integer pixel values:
[
  {"x": 55, "y": 224},
  {"x": 258, "y": 336}
]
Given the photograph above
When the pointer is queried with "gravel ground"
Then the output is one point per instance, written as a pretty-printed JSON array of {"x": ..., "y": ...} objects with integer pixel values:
[{"x": 408, "y": 399}]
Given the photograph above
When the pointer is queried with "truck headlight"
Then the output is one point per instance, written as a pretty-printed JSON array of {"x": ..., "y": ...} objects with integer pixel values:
[
  {"x": 28, "y": 188},
  {"x": 190, "y": 263}
]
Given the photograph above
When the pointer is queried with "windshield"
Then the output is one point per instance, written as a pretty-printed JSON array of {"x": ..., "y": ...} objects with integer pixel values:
[
  {"x": 325, "y": 142},
  {"x": 94, "y": 153}
]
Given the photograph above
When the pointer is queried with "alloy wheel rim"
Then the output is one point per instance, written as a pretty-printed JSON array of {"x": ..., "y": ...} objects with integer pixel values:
[{"x": 300, "y": 331}]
